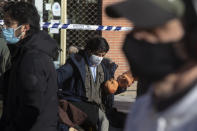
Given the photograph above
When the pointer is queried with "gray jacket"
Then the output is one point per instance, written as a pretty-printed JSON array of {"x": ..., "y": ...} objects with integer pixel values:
[
  {"x": 4, "y": 55},
  {"x": 181, "y": 116}
]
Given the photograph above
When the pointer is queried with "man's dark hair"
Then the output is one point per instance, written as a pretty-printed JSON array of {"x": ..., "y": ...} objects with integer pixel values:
[
  {"x": 23, "y": 13},
  {"x": 97, "y": 44}
]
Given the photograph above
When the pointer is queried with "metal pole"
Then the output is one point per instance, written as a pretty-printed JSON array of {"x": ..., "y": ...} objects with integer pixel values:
[
  {"x": 63, "y": 32},
  {"x": 39, "y": 6}
]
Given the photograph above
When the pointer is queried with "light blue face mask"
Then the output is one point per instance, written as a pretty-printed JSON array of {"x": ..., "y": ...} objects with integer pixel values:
[{"x": 9, "y": 35}]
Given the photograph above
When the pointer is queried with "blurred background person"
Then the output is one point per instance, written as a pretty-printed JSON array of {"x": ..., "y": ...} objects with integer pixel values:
[
  {"x": 4, "y": 51},
  {"x": 5, "y": 57},
  {"x": 5, "y": 63},
  {"x": 4, "y": 54},
  {"x": 162, "y": 49}
]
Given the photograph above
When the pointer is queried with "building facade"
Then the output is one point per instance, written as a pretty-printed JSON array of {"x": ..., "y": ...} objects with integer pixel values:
[
  {"x": 115, "y": 38},
  {"x": 87, "y": 12}
]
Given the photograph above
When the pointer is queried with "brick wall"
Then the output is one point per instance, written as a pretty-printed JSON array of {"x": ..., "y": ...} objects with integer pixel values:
[{"x": 115, "y": 38}]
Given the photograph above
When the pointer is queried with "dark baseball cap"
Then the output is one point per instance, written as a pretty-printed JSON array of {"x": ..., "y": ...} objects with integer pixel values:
[{"x": 147, "y": 13}]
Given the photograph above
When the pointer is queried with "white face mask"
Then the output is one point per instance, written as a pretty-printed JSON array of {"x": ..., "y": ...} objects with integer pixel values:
[{"x": 95, "y": 60}]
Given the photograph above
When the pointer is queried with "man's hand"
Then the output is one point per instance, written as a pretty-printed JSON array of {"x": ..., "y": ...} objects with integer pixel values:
[
  {"x": 125, "y": 80},
  {"x": 111, "y": 86}
]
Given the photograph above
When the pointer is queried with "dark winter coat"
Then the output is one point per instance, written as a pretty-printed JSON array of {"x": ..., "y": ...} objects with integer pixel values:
[
  {"x": 31, "y": 87},
  {"x": 71, "y": 79}
]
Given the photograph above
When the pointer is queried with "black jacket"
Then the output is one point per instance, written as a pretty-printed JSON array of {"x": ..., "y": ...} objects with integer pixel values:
[{"x": 31, "y": 87}]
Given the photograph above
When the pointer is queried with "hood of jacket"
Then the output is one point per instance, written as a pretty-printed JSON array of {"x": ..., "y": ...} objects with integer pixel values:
[{"x": 43, "y": 42}]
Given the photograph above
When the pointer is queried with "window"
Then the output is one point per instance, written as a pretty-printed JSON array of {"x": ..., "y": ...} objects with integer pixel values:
[{"x": 83, "y": 12}]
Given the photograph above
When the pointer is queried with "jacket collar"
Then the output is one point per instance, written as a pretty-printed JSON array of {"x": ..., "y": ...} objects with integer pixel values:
[{"x": 80, "y": 60}]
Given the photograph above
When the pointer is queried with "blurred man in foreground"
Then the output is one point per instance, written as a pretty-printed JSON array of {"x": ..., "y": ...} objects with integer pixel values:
[{"x": 159, "y": 50}]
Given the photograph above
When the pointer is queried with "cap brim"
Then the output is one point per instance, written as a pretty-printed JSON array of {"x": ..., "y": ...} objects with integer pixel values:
[
  {"x": 115, "y": 11},
  {"x": 143, "y": 13}
]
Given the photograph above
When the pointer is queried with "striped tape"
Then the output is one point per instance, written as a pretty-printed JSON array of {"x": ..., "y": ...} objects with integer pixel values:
[{"x": 81, "y": 27}]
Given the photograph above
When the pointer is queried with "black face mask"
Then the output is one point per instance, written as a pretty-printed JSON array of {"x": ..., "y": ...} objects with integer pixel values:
[{"x": 151, "y": 61}]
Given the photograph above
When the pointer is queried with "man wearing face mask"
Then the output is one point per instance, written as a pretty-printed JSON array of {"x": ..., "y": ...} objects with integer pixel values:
[
  {"x": 81, "y": 80},
  {"x": 162, "y": 50},
  {"x": 30, "y": 85}
]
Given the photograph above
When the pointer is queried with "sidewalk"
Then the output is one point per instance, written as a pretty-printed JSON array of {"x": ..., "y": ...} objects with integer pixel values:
[{"x": 123, "y": 101}]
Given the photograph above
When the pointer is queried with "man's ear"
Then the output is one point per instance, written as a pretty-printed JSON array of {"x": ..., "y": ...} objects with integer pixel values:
[{"x": 25, "y": 28}]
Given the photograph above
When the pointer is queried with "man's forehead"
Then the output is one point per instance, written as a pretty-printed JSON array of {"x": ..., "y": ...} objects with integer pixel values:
[{"x": 100, "y": 52}]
